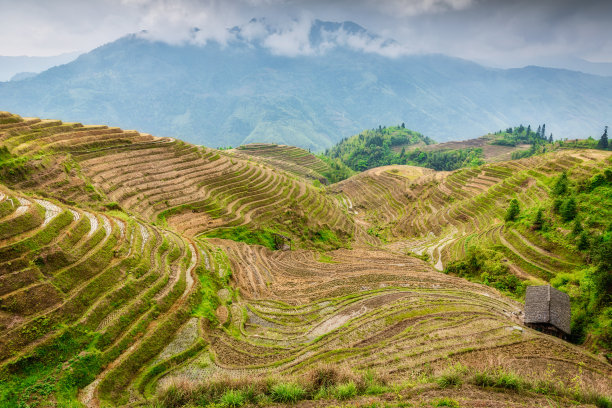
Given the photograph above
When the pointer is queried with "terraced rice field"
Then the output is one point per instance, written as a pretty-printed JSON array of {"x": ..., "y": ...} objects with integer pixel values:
[
  {"x": 68, "y": 272},
  {"x": 107, "y": 279},
  {"x": 368, "y": 309},
  {"x": 439, "y": 214},
  {"x": 290, "y": 158},
  {"x": 192, "y": 189}
]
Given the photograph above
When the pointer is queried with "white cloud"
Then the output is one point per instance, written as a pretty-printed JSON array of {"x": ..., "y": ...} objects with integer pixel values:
[
  {"x": 493, "y": 31},
  {"x": 406, "y": 8},
  {"x": 292, "y": 39}
]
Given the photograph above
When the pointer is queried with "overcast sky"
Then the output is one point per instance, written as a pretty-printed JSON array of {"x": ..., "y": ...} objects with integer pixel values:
[{"x": 495, "y": 32}]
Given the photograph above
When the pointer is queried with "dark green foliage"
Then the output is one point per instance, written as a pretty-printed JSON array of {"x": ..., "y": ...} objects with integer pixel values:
[
  {"x": 577, "y": 229},
  {"x": 521, "y": 135},
  {"x": 568, "y": 209},
  {"x": 373, "y": 148},
  {"x": 338, "y": 171},
  {"x": 583, "y": 242},
  {"x": 603, "y": 141},
  {"x": 538, "y": 222},
  {"x": 445, "y": 160},
  {"x": 513, "y": 210},
  {"x": 487, "y": 266},
  {"x": 561, "y": 185}
]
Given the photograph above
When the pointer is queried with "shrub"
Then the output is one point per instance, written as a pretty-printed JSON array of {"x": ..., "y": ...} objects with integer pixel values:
[
  {"x": 568, "y": 209},
  {"x": 507, "y": 380},
  {"x": 287, "y": 392},
  {"x": 175, "y": 397},
  {"x": 513, "y": 210},
  {"x": 323, "y": 376},
  {"x": 446, "y": 402},
  {"x": 345, "y": 391},
  {"x": 538, "y": 222},
  {"x": 561, "y": 185},
  {"x": 233, "y": 399}
]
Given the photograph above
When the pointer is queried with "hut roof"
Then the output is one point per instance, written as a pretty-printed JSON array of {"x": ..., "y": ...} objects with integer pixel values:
[{"x": 547, "y": 305}]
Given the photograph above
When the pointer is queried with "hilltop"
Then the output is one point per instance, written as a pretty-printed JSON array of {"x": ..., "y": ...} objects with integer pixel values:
[
  {"x": 144, "y": 270},
  {"x": 241, "y": 92}
]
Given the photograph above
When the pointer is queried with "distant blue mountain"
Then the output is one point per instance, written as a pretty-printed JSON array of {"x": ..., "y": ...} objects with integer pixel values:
[{"x": 241, "y": 92}]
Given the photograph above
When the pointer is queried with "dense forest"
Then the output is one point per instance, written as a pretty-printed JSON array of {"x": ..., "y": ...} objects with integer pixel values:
[{"x": 398, "y": 145}]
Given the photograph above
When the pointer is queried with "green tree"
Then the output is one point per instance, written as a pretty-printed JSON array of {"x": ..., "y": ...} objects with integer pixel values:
[
  {"x": 577, "y": 227},
  {"x": 561, "y": 185},
  {"x": 538, "y": 222},
  {"x": 568, "y": 209},
  {"x": 513, "y": 210},
  {"x": 603, "y": 141},
  {"x": 583, "y": 241}
]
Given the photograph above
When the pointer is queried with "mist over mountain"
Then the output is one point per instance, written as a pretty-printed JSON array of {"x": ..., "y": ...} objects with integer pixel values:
[
  {"x": 15, "y": 66},
  {"x": 309, "y": 87}
]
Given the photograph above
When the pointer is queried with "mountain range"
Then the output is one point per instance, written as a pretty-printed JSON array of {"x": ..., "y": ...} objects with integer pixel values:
[{"x": 244, "y": 91}]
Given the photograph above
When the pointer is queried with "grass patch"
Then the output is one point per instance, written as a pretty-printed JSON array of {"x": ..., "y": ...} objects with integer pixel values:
[
  {"x": 264, "y": 237},
  {"x": 233, "y": 399},
  {"x": 345, "y": 391},
  {"x": 446, "y": 402},
  {"x": 287, "y": 392}
]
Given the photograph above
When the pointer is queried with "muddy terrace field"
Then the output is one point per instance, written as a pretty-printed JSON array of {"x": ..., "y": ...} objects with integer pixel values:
[{"x": 111, "y": 293}]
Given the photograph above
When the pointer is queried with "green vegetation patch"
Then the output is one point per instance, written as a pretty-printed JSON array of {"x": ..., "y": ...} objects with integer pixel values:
[{"x": 264, "y": 237}]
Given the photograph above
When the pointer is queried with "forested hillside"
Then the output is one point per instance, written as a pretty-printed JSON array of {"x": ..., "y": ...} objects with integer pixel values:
[{"x": 398, "y": 145}]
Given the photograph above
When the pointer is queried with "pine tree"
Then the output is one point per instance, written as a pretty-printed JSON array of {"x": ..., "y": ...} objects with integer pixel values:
[
  {"x": 544, "y": 131},
  {"x": 568, "y": 209},
  {"x": 513, "y": 210},
  {"x": 539, "y": 220},
  {"x": 538, "y": 133},
  {"x": 577, "y": 227},
  {"x": 550, "y": 139},
  {"x": 603, "y": 142},
  {"x": 583, "y": 241},
  {"x": 560, "y": 187}
]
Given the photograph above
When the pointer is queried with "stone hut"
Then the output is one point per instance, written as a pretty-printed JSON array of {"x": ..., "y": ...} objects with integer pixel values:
[{"x": 547, "y": 310}]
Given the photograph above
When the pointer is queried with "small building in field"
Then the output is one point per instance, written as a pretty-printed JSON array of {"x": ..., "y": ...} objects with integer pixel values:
[{"x": 547, "y": 310}]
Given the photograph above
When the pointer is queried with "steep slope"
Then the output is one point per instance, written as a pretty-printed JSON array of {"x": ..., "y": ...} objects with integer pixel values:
[
  {"x": 110, "y": 289},
  {"x": 289, "y": 158},
  {"x": 242, "y": 93},
  {"x": 193, "y": 189},
  {"x": 368, "y": 309},
  {"x": 85, "y": 294}
]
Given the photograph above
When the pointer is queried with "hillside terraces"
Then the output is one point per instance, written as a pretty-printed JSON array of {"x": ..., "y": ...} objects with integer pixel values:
[
  {"x": 289, "y": 158},
  {"x": 115, "y": 279},
  {"x": 37, "y": 154},
  {"x": 380, "y": 193},
  {"x": 192, "y": 189},
  {"x": 369, "y": 309},
  {"x": 440, "y": 215},
  {"x": 73, "y": 282}
]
